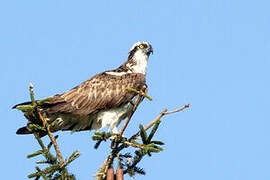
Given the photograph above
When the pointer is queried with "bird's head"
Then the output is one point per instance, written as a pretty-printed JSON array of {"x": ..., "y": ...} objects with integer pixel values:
[
  {"x": 138, "y": 57},
  {"x": 141, "y": 48}
]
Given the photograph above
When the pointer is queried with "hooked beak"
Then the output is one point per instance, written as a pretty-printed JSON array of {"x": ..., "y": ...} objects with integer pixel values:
[{"x": 149, "y": 50}]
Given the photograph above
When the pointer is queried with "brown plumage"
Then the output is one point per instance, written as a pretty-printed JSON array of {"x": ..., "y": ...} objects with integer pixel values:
[{"x": 103, "y": 91}]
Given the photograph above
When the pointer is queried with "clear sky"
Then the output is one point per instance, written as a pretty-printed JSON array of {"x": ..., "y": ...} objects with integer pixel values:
[{"x": 211, "y": 54}]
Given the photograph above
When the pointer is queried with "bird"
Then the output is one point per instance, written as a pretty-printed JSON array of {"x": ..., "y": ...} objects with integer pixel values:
[{"x": 101, "y": 101}]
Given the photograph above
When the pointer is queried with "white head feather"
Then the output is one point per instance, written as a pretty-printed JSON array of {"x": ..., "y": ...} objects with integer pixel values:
[{"x": 140, "y": 58}]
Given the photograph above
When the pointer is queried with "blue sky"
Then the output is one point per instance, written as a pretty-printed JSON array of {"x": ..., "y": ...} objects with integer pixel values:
[{"x": 211, "y": 54}]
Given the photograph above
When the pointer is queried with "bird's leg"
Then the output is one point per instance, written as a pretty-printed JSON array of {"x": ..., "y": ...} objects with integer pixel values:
[
  {"x": 116, "y": 138},
  {"x": 115, "y": 133}
]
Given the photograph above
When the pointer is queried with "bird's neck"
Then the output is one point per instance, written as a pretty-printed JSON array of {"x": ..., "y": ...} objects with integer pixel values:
[{"x": 137, "y": 63}]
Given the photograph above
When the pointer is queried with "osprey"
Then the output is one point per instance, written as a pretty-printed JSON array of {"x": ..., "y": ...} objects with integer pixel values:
[{"x": 99, "y": 101}]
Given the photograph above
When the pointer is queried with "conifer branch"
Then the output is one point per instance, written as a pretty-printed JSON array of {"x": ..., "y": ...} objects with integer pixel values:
[
  {"x": 147, "y": 147},
  {"x": 42, "y": 162},
  {"x": 127, "y": 163},
  {"x": 71, "y": 158},
  {"x": 40, "y": 142},
  {"x": 101, "y": 174},
  {"x": 136, "y": 145},
  {"x": 40, "y": 127},
  {"x": 141, "y": 92},
  {"x": 45, "y": 124}
]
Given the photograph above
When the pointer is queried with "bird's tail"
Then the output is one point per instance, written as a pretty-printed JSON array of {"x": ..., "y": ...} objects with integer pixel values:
[
  {"x": 23, "y": 130},
  {"x": 21, "y": 104},
  {"x": 31, "y": 115}
]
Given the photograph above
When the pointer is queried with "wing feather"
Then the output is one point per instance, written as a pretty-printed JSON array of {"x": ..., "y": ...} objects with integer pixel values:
[{"x": 102, "y": 91}]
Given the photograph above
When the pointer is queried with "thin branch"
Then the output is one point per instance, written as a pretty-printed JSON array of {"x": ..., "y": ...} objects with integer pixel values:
[
  {"x": 164, "y": 112},
  {"x": 131, "y": 114},
  {"x": 51, "y": 136},
  {"x": 177, "y": 110},
  {"x": 141, "y": 92},
  {"x": 72, "y": 158},
  {"x": 135, "y": 162},
  {"x": 32, "y": 97},
  {"x": 40, "y": 142},
  {"x": 45, "y": 124},
  {"x": 42, "y": 162},
  {"x": 134, "y": 145},
  {"x": 38, "y": 126}
]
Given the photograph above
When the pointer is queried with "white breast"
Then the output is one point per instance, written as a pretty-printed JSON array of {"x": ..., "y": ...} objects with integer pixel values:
[
  {"x": 141, "y": 60},
  {"x": 113, "y": 117}
]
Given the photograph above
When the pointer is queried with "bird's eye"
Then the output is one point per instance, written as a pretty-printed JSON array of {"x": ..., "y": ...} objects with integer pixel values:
[{"x": 141, "y": 46}]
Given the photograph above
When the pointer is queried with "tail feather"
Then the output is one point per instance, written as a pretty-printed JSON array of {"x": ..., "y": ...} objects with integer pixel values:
[
  {"x": 25, "y": 103},
  {"x": 31, "y": 117},
  {"x": 23, "y": 130}
]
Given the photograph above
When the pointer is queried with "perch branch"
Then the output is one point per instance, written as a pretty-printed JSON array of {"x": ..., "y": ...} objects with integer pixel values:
[
  {"x": 131, "y": 114},
  {"x": 142, "y": 93},
  {"x": 100, "y": 175}
]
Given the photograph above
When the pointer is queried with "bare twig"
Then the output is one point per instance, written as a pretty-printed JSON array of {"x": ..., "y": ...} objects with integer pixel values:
[
  {"x": 164, "y": 112},
  {"x": 131, "y": 114},
  {"x": 142, "y": 93},
  {"x": 177, "y": 110}
]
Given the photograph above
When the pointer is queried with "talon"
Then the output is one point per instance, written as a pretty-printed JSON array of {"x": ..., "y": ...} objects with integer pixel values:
[{"x": 114, "y": 136}]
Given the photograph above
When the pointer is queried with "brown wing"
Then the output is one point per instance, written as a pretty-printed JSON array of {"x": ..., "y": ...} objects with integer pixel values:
[{"x": 102, "y": 91}]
